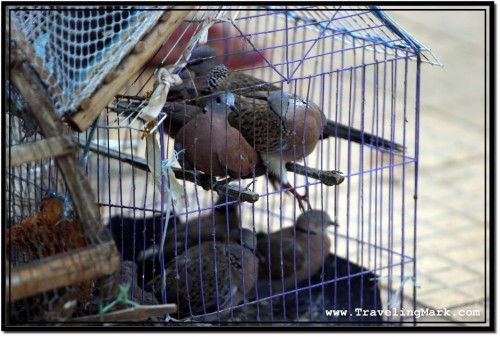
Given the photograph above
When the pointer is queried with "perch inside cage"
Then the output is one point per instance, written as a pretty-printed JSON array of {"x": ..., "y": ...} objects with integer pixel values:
[{"x": 303, "y": 122}]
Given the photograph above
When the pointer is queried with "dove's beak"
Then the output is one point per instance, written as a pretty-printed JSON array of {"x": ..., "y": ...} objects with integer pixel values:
[
  {"x": 332, "y": 223},
  {"x": 234, "y": 109}
]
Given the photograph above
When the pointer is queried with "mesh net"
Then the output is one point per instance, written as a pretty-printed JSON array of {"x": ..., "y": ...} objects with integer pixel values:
[{"x": 74, "y": 47}]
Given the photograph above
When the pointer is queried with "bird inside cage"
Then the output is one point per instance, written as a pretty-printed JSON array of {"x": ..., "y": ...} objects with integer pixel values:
[
  {"x": 280, "y": 126},
  {"x": 210, "y": 144},
  {"x": 228, "y": 125},
  {"x": 295, "y": 253},
  {"x": 133, "y": 235},
  {"x": 55, "y": 229},
  {"x": 209, "y": 263},
  {"x": 210, "y": 277},
  {"x": 47, "y": 233},
  {"x": 182, "y": 236}
]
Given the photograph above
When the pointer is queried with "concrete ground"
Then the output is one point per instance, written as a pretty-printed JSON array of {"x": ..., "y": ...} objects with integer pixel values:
[{"x": 453, "y": 225}]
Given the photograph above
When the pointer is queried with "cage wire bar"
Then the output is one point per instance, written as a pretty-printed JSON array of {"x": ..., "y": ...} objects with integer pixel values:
[{"x": 354, "y": 62}]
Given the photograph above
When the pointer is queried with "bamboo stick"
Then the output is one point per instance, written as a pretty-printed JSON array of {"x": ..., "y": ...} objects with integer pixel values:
[
  {"x": 42, "y": 149},
  {"x": 61, "y": 270}
]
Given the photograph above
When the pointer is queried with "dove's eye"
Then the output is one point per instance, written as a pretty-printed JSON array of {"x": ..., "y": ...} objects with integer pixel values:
[{"x": 218, "y": 100}]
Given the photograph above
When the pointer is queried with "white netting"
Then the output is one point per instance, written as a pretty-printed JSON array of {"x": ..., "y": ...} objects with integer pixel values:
[{"x": 75, "y": 47}]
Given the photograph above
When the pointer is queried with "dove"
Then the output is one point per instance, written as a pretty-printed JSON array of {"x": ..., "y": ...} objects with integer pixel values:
[
  {"x": 204, "y": 74},
  {"x": 181, "y": 236},
  {"x": 223, "y": 218},
  {"x": 205, "y": 227},
  {"x": 210, "y": 277},
  {"x": 209, "y": 144},
  {"x": 282, "y": 128},
  {"x": 295, "y": 253},
  {"x": 133, "y": 235}
]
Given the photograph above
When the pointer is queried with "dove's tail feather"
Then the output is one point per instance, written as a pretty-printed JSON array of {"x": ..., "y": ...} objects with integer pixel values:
[{"x": 333, "y": 129}]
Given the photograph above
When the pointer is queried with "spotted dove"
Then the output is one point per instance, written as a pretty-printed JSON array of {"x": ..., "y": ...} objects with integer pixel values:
[
  {"x": 210, "y": 277},
  {"x": 205, "y": 74},
  {"x": 281, "y": 127}
]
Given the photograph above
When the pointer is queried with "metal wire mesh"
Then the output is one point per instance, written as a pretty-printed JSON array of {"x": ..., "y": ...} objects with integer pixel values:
[{"x": 359, "y": 68}]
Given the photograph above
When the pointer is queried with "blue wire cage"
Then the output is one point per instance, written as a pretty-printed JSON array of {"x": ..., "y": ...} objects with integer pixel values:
[{"x": 354, "y": 62}]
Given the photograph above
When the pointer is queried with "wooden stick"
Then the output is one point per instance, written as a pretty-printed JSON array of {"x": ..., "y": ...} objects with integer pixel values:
[
  {"x": 329, "y": 178},
  {"x": 130, "y": 65},
  {"x": 196, "y": 177},
  {"x": 29, "y": 85},
  {"x": 42, "y": 149},
  {"x": 134, "y": 314},
  {"x": 61, "y": 270}
]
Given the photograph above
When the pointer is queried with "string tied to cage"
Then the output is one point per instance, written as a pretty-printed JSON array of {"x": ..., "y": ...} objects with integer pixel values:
[{"x": 404, "y": 279}]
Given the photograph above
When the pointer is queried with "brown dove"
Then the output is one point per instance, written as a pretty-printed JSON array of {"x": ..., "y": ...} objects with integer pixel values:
[
  {"x": 205, "y": 74},
  {"x": 178, "y": 115},
  {"x": 209, "y": 144},
  {"x": 214, "y": 225},
  {"x": 294, "y": 253},
  {"x": 281, "y": 127},
  {"x": 203, "y": 228},
  {"x": 210, "y": 277},
  {"x": 224, "y": 218}
]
